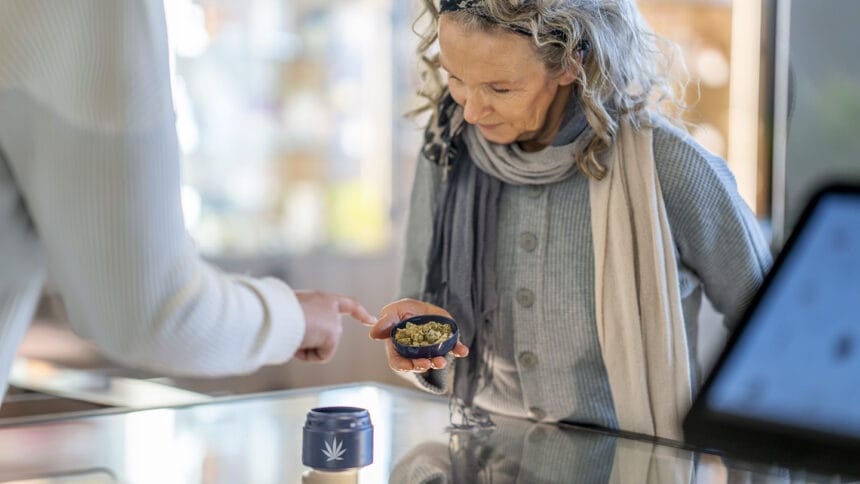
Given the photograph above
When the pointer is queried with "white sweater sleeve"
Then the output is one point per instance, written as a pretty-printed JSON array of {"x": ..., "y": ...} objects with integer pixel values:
[{"x": 87, "y": 129}]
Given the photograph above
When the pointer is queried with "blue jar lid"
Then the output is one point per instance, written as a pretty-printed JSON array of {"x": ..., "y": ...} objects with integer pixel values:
[{"x": 337, "y": 438}]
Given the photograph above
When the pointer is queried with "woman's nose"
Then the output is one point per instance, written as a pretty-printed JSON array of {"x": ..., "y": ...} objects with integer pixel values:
[{"x": 473, "y": 108}]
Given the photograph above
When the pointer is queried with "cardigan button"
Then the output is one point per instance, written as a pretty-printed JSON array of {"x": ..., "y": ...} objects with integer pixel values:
[
  {"x": 538, "y": 434},
  {"x": 528, "y": 241},
  {"x": 528, "y": 360},
  {"x": 535, "y": 191},
  {"x": 525, "y": 297},
  {"x": 538, "y": 413}
]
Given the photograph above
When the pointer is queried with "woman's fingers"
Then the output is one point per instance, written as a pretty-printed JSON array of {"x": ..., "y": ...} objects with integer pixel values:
[
  {"x": 460, "y": 350},
  {"x": 420, "y": 365},
  {"x": 399, "y": 363},
  {"x": 439, "y": 362}
]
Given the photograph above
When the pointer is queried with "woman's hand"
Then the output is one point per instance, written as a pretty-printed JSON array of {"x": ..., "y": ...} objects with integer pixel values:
[{"x": 398, "y": 311}]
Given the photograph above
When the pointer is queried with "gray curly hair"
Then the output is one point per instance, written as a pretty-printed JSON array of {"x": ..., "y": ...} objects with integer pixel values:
[{"x": 623, "y": 70}]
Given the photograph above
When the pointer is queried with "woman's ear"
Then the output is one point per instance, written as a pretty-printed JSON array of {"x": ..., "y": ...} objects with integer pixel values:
[{"x": 569, "y": 75}]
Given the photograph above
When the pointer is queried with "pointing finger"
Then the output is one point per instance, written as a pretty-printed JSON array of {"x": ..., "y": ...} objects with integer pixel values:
[{"x": 348, "y": 305}]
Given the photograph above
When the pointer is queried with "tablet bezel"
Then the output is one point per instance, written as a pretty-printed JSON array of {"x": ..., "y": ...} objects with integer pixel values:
[{"x": 765, "y": 441}]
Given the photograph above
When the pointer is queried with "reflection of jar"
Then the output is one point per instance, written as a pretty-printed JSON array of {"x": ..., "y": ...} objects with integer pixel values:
[
  {"x": 336, "y": 442},
  {"x": 346, "y": 476}
]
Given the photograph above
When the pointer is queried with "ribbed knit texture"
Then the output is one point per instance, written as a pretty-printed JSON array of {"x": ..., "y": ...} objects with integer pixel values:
[
  {"x": 720, "y": 249},
  {"x": 89, "y": 187}
]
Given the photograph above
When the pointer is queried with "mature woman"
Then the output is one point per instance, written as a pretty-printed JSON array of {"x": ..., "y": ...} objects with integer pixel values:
[{"x": 565, "y": 224}]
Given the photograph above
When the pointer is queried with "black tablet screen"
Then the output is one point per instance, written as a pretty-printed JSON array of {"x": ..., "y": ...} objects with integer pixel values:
[{"x": 797, "y": 363}]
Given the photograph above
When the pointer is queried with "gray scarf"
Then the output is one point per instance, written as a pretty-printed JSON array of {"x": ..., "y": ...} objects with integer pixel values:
[{"x": 461, "y": 264}]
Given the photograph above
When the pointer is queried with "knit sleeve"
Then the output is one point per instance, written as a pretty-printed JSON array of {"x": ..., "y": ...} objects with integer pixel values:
[
  {"x": 87, "y": 127},
  {"x": 419, "y": 227},
  {"x": 717, "y": 236},
  {"x": 419, "y": 232}
]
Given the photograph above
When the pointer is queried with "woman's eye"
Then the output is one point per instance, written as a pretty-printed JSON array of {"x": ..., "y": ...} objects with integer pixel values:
[{"x": 499, "y": 90}]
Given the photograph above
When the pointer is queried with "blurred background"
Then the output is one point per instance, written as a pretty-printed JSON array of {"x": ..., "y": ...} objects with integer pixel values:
[{"x": 297, "y": 159}]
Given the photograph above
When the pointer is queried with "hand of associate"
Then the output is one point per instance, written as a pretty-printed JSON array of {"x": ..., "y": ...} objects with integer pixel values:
[
  {"x": 398, "y": 311},
  {"x": 323, "y": 327}
]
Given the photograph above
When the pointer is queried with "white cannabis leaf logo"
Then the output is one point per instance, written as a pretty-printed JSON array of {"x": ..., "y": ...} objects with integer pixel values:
[{"x": 333, "y": 450}]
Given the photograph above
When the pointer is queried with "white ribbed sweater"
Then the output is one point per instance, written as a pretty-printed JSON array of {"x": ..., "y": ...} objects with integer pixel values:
[{"x": 89, "y": 190}]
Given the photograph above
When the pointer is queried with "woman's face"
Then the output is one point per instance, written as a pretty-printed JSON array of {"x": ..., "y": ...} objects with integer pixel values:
[{"x": 504, "y": 88}]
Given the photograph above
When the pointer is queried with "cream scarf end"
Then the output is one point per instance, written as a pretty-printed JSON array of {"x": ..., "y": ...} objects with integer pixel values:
[{"x": 640, "y": 321}]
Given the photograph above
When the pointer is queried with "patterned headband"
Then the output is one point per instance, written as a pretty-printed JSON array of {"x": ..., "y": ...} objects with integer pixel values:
[
  {"x": 452, "y": 5},
  {"x": 477, "y": 7}
]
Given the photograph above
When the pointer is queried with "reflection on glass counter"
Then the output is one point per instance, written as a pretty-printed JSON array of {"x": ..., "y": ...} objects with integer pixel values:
[
  {"x": 86, "y": 476},
  {"x": 258, "y": 439},
  {"x": 521, "y": 451}
]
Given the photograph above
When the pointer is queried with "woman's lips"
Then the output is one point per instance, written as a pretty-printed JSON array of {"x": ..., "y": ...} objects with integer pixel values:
[{"x": 489, "y": 126}]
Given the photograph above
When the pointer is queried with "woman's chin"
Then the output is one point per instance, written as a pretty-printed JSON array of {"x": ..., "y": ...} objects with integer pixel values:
[{"x": 494, "y": 136}]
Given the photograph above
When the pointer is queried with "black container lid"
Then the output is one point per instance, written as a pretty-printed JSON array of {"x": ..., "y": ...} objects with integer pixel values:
[{"x": 337, "y": 438}]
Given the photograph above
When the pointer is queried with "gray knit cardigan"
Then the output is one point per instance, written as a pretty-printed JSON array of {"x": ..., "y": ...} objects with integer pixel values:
[{"x": 548, "y": 363}]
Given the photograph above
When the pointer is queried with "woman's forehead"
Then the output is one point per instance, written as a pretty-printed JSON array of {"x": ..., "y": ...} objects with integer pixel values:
[
  {"x": 459, "y": 26},
  {"x": 501, "y": 51}
]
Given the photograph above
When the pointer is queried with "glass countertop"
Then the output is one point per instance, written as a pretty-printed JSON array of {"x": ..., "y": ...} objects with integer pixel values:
[{"x": 258, "y": 439}]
